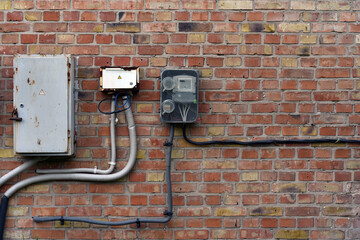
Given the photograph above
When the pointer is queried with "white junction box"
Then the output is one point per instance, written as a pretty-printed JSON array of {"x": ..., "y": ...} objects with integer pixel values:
[
  {"x": 43, "y": 111},
  {"x": 114, "y": 79}
]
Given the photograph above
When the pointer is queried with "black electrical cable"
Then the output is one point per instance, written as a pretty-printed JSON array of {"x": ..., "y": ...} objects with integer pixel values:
[
  {"x": 268, "y": 141},
  {"x": 3, "y": 210},
  {"x": 168, "y": 213},
  {"x": 116, "y": 111}
]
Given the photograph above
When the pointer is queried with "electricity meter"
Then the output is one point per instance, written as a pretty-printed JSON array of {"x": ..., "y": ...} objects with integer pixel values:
[
  {"x": 168, "y": 84},
  {"x": 179, "y": 96}
]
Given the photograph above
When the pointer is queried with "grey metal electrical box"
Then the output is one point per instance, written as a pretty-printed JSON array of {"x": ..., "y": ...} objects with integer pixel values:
[
  {"x": 179, "y": 96},
  {"x": 43, "y": 112}
]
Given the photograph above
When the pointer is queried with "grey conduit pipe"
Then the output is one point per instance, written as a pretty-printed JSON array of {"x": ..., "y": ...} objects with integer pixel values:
[
  {"x": 19, "y": 169},
  {"x": 74, "y": 176},
  {"x": 94, "y": 170},
  {"x": 168, "y": 213}
]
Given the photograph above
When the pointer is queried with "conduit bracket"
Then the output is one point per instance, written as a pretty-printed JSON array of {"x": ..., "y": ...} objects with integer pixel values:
[
  {"x": 167, "y": 144},
  {"x": 138, "y": 223},
  {"x": 62, "y": 221},
  {"x": 168, "y": 213}
]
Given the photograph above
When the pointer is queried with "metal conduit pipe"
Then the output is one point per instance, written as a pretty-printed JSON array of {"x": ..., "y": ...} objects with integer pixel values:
[
  {"x": 138, "y": 221},
  {"x": 74, "y": 176},
  {"x": 94, "y": 170}
]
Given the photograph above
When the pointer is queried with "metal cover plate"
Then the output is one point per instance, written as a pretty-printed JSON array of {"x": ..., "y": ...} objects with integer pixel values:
[{"x": 41, "y": 98}]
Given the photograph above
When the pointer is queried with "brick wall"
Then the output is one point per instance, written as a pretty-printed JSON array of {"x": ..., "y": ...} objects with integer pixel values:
[{"x": 269, "y": 69}]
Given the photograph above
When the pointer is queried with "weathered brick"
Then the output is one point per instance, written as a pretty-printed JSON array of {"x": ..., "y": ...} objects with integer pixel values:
[
  {"x": 162, "y": 4},
  {"x": 252, "y": 187},
  {"x": 266, "y": 211},
  {"x": 195, "y": 27},
  {"x": 289, "y": 187},
  {"x": 333, "y": 5},
  {"x": 258, "y": 27},
  {"x": 339, "y": 211},
  {"x": 303, "y": 5},
  {"x": 230, "y": 211},
  {"x": 327, "y": 234},
  {"x": 294, "y": 27},
  {"x": 58, "y": 4},
  {"x": 267, "y": 5},
  {"x": 118, "y": 50},
  {"x": 14, "y": 27},
  {"x": 126, "y": 4},
  {"x": 123, "y": 27},
  {"x": 5, "y": 5},
  {"x": 159, "y": 27},
  {"x": 182, "y": 49},
  {"x": 50, "y": 27},
  {"x": 236, "y": 5},
  {"x": 292, "y": 234}
]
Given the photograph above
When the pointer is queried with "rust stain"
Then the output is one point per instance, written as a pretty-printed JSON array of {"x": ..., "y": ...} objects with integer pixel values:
[
  {"x": 36, "y": 121},
  {"x": 30, "y": 82}
]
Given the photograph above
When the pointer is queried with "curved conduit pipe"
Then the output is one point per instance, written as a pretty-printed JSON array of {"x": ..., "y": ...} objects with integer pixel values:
[
  {"x": 19, "y": 169},
  {"x": 138, "y": 221},
  {"x": 73, "y": 176},
  {"x": 94, "y": 170}
]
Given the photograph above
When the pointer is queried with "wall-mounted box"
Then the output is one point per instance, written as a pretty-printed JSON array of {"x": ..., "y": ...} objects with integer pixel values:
[
  {"x": 44, "y": 105},
  {"x": 179, "y": 96},
  {"x": 117, "y": 79}
]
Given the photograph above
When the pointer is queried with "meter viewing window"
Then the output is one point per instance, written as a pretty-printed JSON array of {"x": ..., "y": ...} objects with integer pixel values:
[{"x": 185, "y": 84}]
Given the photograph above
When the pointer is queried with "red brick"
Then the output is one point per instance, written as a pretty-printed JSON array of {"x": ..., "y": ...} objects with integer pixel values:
[
  {"x": 263, "y": 73},
  {"x": 14, "y": 27},
  {"x": 89, "y": 16},
  {"x": 200, "y": 16},
  {"x": 50, "y": 27},
  {"x": 53, "y": 234},
  {"x": 178, "y": 38},
  {"x": 150, "y": 50},
  {"x": 231, "y": 73},
  {"x": 237, "y": 16},
  {"x": 107, "y": 16},
  {"x": 145, "y": 17},
  {"x": 294, "y": 73},
  {"x": 215, "y": 38},
  {"x": 182, "y": 49},
  {"x": 83, "y": 234},
  {"x": 28, "y": 38},
  {"x": 255, "y": 16},
  {"x": 10, "y": 38},
  {"x": 332, "y": 73},
  {"x": 14, "y": 16},
  {"x": 226, "y": 50},
  {"x": 103, "y": 39},
  {"x": 47, "y": 38},
  {"x": 71, "y": 16},
  {"x": 51, "y": 16},
  {"x": 86, "y": 27}
]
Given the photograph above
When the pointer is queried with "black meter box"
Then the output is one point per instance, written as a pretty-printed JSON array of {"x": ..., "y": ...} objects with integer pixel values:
[{"x": 179, "y": 96}]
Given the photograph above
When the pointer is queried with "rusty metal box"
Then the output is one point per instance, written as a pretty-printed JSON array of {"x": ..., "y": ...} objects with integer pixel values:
[{"x": 43, "y": 105}]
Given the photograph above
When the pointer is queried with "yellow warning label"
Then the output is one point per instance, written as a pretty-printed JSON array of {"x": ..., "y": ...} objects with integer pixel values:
[{"x": 119, "y": 77}]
